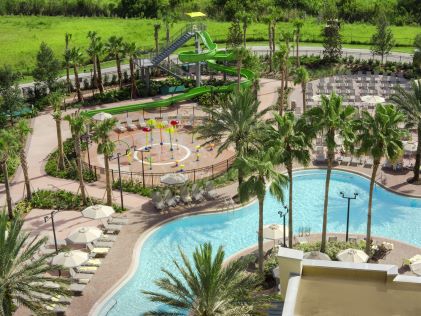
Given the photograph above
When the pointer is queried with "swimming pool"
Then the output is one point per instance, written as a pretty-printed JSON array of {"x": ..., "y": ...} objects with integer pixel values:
[{"x": 394, "y": 216}]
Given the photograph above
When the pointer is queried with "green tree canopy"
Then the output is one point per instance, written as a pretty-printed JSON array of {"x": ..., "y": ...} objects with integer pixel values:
[{"x": 47, "y": 67}]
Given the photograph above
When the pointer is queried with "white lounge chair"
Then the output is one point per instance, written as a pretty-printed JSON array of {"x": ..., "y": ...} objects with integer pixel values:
[
  {"x": 129, "y": 124},
  {"x": 118, "y": 220},
  {"x": 77, "y": 288},
  {"x": 141, "y": 122},
  {"x": 86, "y": 269},
  {"x": 320, "y": 154},
  {"x": 209, "y": 191},
  {"x": 82, "y": 278},
  {"x": 95, "y": 251},
  {"x": 158, "y": 201},
  {"x": 185, "y": 196},
  {"x": 120, "y": 128},
  {"x": 169, "y": 199},
  {"x": 111, "y": 228}
]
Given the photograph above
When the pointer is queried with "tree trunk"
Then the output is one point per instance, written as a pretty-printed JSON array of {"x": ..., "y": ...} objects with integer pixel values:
[
  {"x": 77, "y": 84},
  {"x": 304, "y": 97},
  {"x": 244, "y": 35},
  {"x": 100, "y": 85},
  {"x": 59, "y": 145},
  {"x": 270, "y": 46},
  {"x": 118, "y": 62},
  {"x": 330, "y": 157},
  {"x": 239, "y": 74},
  {"x": 416, "y": 177},
  {"x": 297, "y": 44},
  {"x": 290, "y": 227},
  {"x": 80, "y": 168},
  {"x": 370, "y": 204},
  {"x": 68, "y": 76},
  {"x": 260, "y": 234},
  {"x": 273, "y": 38},
  {"x": 167, "y": 35},
  {"x": 95, "y": 76},
  {"x": 108, "y": 180},
  {"x": 286, "y": 73},
  {"x": 133, "y": 80},
  {"x": 7, "y": 186},
  {"x": 24, "y": 165}
]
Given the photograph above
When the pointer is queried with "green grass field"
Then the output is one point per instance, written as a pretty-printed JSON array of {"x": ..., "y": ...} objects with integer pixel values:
[{"x": 20, "y": 37}]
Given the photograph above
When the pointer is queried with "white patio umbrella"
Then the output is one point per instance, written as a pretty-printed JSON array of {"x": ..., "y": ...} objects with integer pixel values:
[
  {"x": 174, "y": 179},
  {"x": 416, "y": 267},
  {"x": 71, "y": 259},
  {"x": 98, "y": 211},
  {"x": 316, "y": 255},
  {"x": 373, "y": 99},
  {"x": 352, "y": 255},
  {"x": 101, "y": 116},
  {"x": 274, "y": 231},
  {"x": 84, "y": 235}
]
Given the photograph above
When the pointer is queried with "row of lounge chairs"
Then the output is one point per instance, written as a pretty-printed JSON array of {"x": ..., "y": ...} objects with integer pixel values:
[
  {"x": 141, "y": 123},
  {"x": 186, "y": 196}
]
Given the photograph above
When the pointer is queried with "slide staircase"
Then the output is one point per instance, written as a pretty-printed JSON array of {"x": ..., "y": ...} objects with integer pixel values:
[{"x": 211, "y": 56}]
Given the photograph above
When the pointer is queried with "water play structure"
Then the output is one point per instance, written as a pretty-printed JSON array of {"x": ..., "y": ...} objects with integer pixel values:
[{"x": 213, "y": 57}]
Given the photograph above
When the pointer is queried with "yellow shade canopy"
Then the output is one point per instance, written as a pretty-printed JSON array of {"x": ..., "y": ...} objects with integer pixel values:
[{"x": 195, "y": 14}]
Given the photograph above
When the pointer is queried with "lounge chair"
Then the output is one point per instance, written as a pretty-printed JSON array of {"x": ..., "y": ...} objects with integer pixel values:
[
  {"x": 120, "y": 128},
  {"x": 118, "y": 221},
  {"x": 158, "y": 201},
  {"x": 129, "y": 124},
  {"x": 368, "y": 163},
  {"x": 141, "y": 123},
  {"x": 107, "y": 237},
  {"x": 97, "y": 251},
  {"x": 111, "y": 228},
  {"x": 82, "y": 278},
  {"x": 209, "y": 191},
  {"x": 93, "y": 262},
  {"x": 355, "y": 161},
  {"x": 86, "y": 269},
  {"x": 197, "y": 193},
  {"x": 185, "y": 196},
  {"x": 102, "y": 244},
  {"x": 346, "y": 160},
  {"x": 77, "y": 288},
  {"x": 169, "y": 199}
]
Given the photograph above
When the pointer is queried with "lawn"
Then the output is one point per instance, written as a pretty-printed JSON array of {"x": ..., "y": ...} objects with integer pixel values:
[{"x": 21, "y": 36}]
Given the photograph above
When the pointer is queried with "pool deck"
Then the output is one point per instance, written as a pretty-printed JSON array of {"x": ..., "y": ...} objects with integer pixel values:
[{"x": 119, "y": 262}]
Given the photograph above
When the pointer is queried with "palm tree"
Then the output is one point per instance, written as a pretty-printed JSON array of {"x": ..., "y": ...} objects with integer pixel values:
[
  {"x": 281, "y": 59},
  {"x": 261, "y": 170},
  {"x": 156, "y": 27},
  {"x": 54, "y": 100},
  {"x": 168, "y": 18},
  {"x": 298, "y": 24},
  {"x": 331, "y": 118},
  {"x": 379, "y": 136},
  {"x": 232, "y": 123},
  {"x": 77, "y": 124},
  {"x": 287, "y": 37},
  {"x": 410, "y": 104},
  {"x": 291, "y": 141},
  {"x": 23, "y": 272},
  {"x": 417, "y": 52},
  {"x": 246, "y": 19},
  {"x": 302, "y": 77},
  {"x": 206, "y": 286},
  {"x": 240, "y": 54},
  {"x": 95, "y": 50},
  {"x": 106, "y": 147},
  {"x": 114, "y": 47},
  {"x": 92, "y": 35},
  {"x": 8, "y": 147},
  {"x": 22, "y": 131},
  {"x": 132, "y": 52},
  {"x": 76, "y": 59},
  {"x": 67, "y": 39}
]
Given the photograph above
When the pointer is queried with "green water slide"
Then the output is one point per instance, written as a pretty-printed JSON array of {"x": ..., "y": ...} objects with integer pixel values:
[{"x": 211, "y": 56}]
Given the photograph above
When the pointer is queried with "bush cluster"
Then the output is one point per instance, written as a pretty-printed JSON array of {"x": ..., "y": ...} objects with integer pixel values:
[
  {"x": 133, "y": 187},
  {"x": 332, "y": 247}
]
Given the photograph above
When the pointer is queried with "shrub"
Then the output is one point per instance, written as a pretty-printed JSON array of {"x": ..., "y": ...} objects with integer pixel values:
[
  {"x": 133, "y": 187},
  {"x": 12, "y": 164},
  {"x": 332, "y": 247}
]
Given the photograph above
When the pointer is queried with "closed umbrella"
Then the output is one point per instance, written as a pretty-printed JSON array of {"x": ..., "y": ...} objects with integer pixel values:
[
  {"x": 84, "y": 235},
  {"x": 352, "y": 255},
  {"x": 174, "y": 179},
  {"x": 416, "y": 267},
  {"x": 101, "y": 116},
  {"x": 98, "y": 211},
  {"x": 274, "y": 231},
  {"x": 316, "y": 255},
  {"x": 70, "y": 259}
]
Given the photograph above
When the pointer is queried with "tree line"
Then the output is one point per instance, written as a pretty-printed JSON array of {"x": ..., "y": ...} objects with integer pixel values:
[{"x": 399, "y": 12}]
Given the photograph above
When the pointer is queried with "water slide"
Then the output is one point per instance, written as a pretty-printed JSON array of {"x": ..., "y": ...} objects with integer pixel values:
[{"x": 211, "y": 56}]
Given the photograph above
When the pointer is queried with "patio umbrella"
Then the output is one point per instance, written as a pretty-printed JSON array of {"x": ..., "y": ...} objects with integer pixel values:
[
  {"x": 352, "y": 255},
  {"x": 372, "y": 99},
  {"x": 84, "y": 235},
  {"x": 274, "y": 231},
  {"x": 174, "y": 179},
  {"x": 316, "y": 255},
  {"x": 71, "y": 259},
  {"x": 98, "y": 211},
  {"x": 416, "y": 267},
  {"x": 101, "y": 116}
]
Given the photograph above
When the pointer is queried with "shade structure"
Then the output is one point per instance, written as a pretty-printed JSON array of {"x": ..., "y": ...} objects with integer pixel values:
[
  {"x": 174, "y": 179},
  {"x": 372, "y": 99},
  {"x": 98, "y": 211},
  {"x": 84, "y": 235},
  {"x": 316, "y": 255},
  {"x": 416, "y": 267},
  {"x": 101, "y": 116},
  {"x": 352, "y": 255},
  {"x": 70, "y": 259},
  {"x": 195, "y": 14},
  {"x": 274, "y": 231}
]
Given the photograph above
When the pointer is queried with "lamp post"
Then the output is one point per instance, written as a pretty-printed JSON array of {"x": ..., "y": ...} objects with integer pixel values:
[
  {"x": 283, "y": 215},
  {"x": 51, "y": 217},
  {"x": 349, "y": 198},
  {"x": 143, "y": 166}
]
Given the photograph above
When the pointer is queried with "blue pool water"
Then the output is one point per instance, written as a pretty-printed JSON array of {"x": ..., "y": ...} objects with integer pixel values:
[{"x": 394, "y": 216}]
